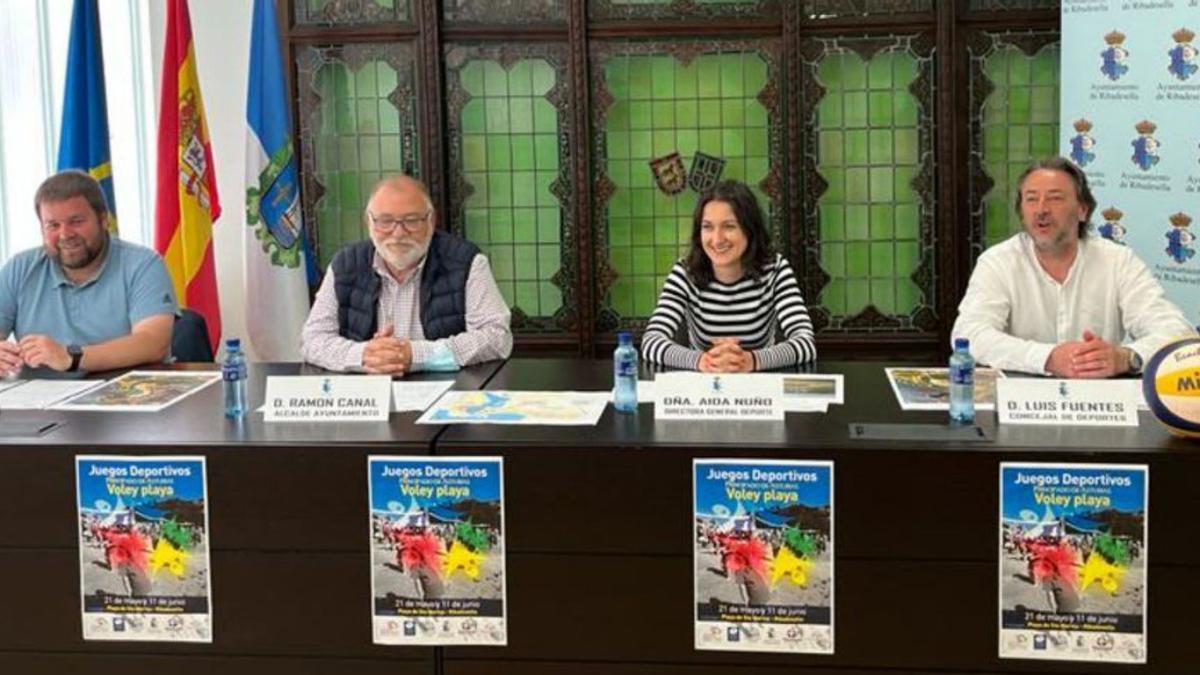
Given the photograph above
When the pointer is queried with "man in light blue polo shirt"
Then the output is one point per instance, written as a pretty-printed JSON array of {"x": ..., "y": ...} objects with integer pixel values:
[{"x": 84, "y": 300}]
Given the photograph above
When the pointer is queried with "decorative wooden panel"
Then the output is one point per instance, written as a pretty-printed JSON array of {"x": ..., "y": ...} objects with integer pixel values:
[
  {"x": 350, "y": 12},
  {"x": 632, "y": 10},
  {"x": 514, "y": 13}
]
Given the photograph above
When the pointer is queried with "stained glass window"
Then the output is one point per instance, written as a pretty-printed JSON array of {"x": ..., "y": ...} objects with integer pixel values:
[
  {"x": 869, "y": 153},
  {"x": 360, "y": 125},
  {"x": 1019, "y": 125},
  {"x": 510, "y": 183},
  {"x": 697, "y": 119}
]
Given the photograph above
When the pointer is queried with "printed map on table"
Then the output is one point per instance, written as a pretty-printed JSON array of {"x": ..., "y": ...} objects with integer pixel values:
[{"x": 517, "y": 407}]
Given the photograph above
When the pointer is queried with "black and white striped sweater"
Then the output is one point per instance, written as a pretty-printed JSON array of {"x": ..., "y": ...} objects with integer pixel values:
[{"x": 747, "y": 309}]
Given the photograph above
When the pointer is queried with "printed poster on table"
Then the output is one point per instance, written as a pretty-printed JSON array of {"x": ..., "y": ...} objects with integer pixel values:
[
  {"x": 1073, "y": 561},
  {"x": 437, "y": 550},
  {"x": 143, "y": 391},
  {"x": 929, "y": 388},
  {"x": 802, "y": 391},
  {"x": 764, "y": 555},
  {"x": 144, "y": 548}
]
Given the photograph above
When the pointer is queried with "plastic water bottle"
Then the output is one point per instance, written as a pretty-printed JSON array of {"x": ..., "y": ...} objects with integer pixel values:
[
  {"x": 962, "y": 383},
  {"x": 625, "y": 374},
  {"x": 233, "y": 376}
]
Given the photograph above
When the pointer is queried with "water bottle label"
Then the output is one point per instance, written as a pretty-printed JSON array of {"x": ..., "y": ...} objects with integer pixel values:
[
  {"x": 627, "y": 368},
  {"x": 962, "y": 376},
  {"x": 230, "y": 374}
]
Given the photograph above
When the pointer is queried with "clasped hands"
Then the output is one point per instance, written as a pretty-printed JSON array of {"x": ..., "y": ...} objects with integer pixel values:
[
  {"x": 1090, "y": 358},
  {"x": 726, "y": 356},
  {"x": 34, "y": 351},
  {"x": 386, "y": 354}
]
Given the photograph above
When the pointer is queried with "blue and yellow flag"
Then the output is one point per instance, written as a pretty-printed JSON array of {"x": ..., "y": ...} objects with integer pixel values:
[{"x": 83, "y": 143}]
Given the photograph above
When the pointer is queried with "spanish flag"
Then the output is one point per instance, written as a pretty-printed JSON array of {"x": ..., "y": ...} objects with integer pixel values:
[{"x": 187, "y": 203}]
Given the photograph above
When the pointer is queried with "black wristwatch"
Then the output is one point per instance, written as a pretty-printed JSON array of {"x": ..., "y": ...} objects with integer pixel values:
[{"x": 76, "y": 354}]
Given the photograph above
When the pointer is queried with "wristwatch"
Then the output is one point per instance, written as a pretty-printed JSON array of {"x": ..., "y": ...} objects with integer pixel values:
[
  {"x": 1135, "y": 360},
  {"x": 76, "y": 354}
]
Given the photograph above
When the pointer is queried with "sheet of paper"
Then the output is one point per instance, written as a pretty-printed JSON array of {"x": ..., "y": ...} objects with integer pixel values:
[
  {"x": 417, "y": 395},
  {"x": 791, "y": 405},
  {"x": 40, "y": 394}
]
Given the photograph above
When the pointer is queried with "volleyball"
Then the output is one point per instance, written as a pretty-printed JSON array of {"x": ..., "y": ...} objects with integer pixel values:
[{"x": 1171, "y": 383}]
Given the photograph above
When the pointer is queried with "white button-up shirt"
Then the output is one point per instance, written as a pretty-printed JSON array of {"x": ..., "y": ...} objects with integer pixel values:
[{"x": 1014, "y": 313}]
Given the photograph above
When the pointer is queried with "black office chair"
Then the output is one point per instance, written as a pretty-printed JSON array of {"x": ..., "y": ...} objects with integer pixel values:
[{"x": 189, "y": 341}]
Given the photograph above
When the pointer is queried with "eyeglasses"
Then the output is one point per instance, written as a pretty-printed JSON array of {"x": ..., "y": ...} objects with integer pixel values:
[{"x": 411, "y": 223}]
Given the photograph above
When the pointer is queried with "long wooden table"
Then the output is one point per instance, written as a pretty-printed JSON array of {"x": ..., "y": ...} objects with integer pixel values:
[
  {"x": 289, "y": 531},
  {"x": 599, "y": 537}
]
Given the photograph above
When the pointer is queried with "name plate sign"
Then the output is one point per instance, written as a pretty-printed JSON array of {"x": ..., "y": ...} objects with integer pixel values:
[
  {"x": 1091, "y": 403},
  {"x": 336, "y": 398},
  {"x": 704, "y": 396}
]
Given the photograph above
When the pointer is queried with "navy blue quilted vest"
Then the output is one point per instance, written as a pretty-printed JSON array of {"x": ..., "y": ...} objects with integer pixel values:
[{"x": 443, "y": 288}]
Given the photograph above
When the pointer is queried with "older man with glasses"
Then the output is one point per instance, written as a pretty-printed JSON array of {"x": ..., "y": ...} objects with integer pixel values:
[{"x": 412, "y": 298}]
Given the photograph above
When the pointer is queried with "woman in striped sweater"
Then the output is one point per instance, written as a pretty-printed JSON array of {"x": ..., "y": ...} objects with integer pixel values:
[{"x": 730, "y": 292}]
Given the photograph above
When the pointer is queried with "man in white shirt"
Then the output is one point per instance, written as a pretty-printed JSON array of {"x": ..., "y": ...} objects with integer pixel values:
[
  {"x": 1053, "y": 301},
  {"x": 411, "y": 298}
]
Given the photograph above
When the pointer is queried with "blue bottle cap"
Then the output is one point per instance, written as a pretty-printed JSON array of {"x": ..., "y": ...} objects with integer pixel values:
[
  {"x": 233, "y": 343},
  {"x": 961, "y": 344},
  {"x": 625, "y": 337}
]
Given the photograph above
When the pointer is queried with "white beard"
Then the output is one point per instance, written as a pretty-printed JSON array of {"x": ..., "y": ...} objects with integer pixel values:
[{"x": 406, "y": 259}]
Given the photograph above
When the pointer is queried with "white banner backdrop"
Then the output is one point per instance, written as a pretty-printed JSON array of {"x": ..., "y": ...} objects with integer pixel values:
[{"x": 1131, "y": 119}]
